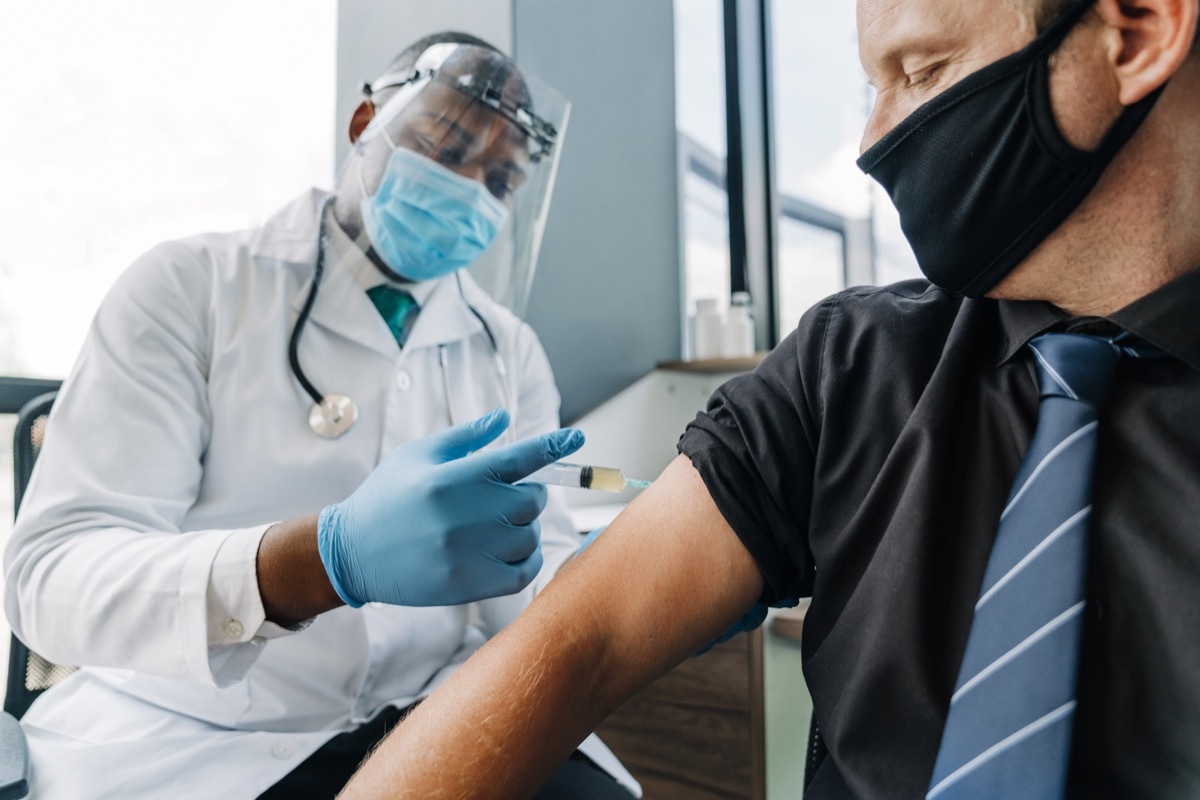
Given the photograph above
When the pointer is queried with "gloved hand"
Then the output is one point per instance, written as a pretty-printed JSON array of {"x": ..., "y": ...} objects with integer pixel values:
[
  {"x": 438, "y": 524},
  {"x": 591, "y": 537},
  {"x": 749, "y": 621}
]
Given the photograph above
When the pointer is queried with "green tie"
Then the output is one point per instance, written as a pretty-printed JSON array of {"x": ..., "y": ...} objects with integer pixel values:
[{"x": 398, "y": 309}]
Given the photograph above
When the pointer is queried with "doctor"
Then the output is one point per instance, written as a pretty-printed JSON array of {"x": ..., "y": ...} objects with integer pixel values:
[{"x": 259, "y": 520}]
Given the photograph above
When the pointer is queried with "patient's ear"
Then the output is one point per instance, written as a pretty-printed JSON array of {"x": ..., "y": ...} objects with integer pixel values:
[{"x": 1149, "y": 40}]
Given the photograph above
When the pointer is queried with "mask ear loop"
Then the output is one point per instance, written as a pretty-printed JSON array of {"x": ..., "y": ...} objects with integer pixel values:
[
  {"x": 362, "y": 182},
  {"x": 1086, "y": 166},
  {"x": 1037, "y": 96}
]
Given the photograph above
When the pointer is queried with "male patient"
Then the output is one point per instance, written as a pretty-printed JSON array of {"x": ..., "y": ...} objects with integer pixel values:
[{"x": 989, "y": 484}]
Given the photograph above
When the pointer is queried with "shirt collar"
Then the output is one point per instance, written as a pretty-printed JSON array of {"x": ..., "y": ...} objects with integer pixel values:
[
  {"x": 1021, "y": 321},
  {"x": 343, "y": 253},
  {"x": 1164, "y": 318}
]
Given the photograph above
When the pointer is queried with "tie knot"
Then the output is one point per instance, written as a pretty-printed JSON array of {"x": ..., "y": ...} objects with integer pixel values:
[
  {"x": 397, "y": 307},
  {"x": 1076, "y": 366}
]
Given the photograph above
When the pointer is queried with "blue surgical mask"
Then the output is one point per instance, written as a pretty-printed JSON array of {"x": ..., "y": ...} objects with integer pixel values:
[{"x": 426, "y": 221}]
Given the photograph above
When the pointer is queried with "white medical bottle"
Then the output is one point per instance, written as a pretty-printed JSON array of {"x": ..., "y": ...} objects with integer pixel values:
[
  {"x": 737, "y": 340},
  {"x": 707, "y": 330}
]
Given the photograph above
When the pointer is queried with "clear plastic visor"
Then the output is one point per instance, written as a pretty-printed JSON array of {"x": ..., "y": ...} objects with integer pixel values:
[{"x": 473, "y": 112}]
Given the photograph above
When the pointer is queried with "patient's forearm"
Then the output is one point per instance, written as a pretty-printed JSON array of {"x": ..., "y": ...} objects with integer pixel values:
[
  {"x": 664, "y": 579},
  {"x": 499, "y": 727}
]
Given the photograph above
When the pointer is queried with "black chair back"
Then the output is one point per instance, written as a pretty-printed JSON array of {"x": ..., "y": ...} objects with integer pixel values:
[{"x": 28, "y": 673}]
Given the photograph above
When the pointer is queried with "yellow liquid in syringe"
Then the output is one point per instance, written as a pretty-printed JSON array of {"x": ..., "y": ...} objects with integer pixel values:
[
  {"x": 584, "y": 476},
  {"x": 606, "y": 479}
]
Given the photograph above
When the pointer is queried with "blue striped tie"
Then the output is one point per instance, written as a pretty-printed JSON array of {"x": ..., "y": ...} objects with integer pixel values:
[{"x": 1008, "y": 731}]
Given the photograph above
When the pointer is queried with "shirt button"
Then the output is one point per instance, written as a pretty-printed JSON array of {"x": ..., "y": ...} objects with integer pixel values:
[
  {"x": 234, "y": 629},
  {"x": 403, "y": 381},
  {"x": 284, "y": 748},
  {"x": 258, "y": 640}
]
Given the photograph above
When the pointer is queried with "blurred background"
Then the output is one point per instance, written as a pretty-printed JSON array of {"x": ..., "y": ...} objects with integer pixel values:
[{"x": 711, "y": 150}]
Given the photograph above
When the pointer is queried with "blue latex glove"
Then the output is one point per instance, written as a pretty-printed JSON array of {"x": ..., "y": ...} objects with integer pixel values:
[
  {"x": 439, "y": 524},
  {"x": 591, "y": 537},
  {"x": 749, "y": 621}
]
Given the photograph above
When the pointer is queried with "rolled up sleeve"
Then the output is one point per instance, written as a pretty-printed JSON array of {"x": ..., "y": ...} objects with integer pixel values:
[{"x": 755, "y": 449}]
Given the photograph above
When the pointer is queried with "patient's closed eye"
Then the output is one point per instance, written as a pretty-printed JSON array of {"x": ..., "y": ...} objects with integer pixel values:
[{"x": 926, "y": 76}]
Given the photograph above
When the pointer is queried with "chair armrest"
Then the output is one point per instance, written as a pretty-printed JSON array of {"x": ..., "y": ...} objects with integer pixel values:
[{"x": 14, "y": 759}]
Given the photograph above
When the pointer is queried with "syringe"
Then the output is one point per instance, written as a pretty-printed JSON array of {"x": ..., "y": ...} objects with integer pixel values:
[{"x": 584, "y": 476}]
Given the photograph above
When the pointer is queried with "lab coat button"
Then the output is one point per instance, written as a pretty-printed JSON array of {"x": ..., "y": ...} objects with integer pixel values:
[
  {"x": 403, "y": 381},
  {"x": 284, "y": 748},
  {"x": 234, "y": 629}
]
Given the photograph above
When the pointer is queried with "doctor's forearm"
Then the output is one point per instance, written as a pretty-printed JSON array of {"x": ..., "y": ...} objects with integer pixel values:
[{"x": 292, "y": 581}]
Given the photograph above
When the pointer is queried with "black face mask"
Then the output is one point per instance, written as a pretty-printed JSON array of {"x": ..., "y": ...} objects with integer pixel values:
[{"x": 981, "y": 174}]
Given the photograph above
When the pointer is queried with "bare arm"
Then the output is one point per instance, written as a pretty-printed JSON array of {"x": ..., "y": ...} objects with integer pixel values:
[
  {"x": 292, "y": 581},
  {"x": 665, "y": 578}
]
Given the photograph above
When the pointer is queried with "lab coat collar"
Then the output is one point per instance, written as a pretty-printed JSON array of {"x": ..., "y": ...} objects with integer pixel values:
[
  {"x": 347, "y": 254},
  {"x": 342, "y": 306},
  {"x": 446, "y": 317}
]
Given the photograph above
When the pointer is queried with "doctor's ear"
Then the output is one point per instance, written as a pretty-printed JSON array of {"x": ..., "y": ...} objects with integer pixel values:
[
  {"x": 1150, "y": 40},
  {"x": 359, "y": 119}
]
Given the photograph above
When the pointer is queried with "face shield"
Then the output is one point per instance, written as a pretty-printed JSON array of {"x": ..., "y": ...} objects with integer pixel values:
[{"x": 457, "y": 167}]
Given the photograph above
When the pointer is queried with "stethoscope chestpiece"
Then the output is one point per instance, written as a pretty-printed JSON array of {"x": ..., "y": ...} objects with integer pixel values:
[{"x": 333, "y": 416}]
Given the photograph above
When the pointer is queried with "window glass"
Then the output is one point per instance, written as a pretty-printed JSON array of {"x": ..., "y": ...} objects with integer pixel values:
[
  {"x": 820, "y": 106},
  {"x": 129, "y": 122},
  {"x": 810, "y": 268},
  {"x": 700, "y": 125}
]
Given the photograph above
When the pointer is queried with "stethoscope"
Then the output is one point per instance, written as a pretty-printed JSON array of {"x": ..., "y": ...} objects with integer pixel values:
[{"x": 334, "y": 414}]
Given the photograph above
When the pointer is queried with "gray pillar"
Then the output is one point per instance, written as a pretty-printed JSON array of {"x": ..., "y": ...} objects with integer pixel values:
[{"x": 606, "y": 299}]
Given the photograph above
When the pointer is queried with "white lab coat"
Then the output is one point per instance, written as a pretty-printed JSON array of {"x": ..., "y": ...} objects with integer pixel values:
[{"x": 178, "y": 438}]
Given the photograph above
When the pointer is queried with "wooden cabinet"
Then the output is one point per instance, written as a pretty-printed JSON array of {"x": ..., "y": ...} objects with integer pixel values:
[{"x": 697, "y": 732}]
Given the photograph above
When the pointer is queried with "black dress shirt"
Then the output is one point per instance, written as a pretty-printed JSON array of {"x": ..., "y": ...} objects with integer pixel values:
[{"x": 865, "y": 464}]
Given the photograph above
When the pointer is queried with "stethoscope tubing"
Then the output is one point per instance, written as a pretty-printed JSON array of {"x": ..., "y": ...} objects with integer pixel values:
[
  {"x": 302, "y": 320},
  {"x": 320, "y": 400}
]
